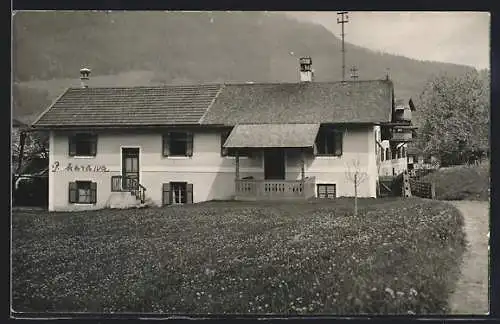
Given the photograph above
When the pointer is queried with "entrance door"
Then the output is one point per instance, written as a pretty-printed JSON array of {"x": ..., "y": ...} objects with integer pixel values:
[
  {"x": 274, "y": 164},
  {"x": 130, "y": 168}
]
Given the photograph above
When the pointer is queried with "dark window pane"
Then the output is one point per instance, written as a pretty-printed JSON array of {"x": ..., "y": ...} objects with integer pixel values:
[
  {"x": 329, "y": 142},
  {"x": 83, "y": 145},
  {"x": 179, "y": 194},
  {"x": 178, "y": 143}
]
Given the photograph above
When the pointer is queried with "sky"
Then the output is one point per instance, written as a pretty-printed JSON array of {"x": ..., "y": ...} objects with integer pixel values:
[{"x": 452, "y": 37}]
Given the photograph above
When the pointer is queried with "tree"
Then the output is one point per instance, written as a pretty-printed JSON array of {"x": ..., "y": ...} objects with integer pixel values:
[
  {"x": 33, "y": 147},
  {"x": 356, "y": 177},
  {"x": 455, "y": 111}
]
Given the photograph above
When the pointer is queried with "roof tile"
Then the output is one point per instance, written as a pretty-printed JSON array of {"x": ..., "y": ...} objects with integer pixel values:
[
  {"x": 230, "y": 104},
  {"x": 164, "y": 105},
  {"x": 326, "y": 102}
]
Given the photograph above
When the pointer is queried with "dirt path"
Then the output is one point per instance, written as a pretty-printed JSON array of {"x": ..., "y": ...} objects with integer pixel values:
[{"x": 471, "y": 294}]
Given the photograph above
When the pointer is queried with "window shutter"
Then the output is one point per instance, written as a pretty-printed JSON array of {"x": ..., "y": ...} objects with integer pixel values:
[
  {"x": 72, "y": 145},
  {"x": 93, "y": 145},
  {"x": 189, "y": 193},
  {"x": 338, "y": 143},
  {"x": 189, "y": 144},
  {"x": 165, "y": 141},
  {"x": 73, "y": 192},
  {"x": 93, "y": 192},
  {"x": 166, "y": 194}
]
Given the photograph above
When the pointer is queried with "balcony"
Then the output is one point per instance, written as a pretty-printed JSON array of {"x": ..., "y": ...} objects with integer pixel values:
[
  {"x": 402, "y": 134},
  {"x": 251, "y": 189}
]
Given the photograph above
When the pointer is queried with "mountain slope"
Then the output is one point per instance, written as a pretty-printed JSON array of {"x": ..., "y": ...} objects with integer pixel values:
[{"x": 126, "y": 48}]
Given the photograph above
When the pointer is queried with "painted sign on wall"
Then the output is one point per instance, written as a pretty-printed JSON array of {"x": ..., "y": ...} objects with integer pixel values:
[{"x": 56, "y": 166}]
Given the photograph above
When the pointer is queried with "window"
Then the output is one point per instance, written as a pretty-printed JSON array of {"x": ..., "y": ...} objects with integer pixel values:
[
  {"x": 387, "y": 154},
  {"x": 403, "y": 151},
  {"x": 83, "y": 145},
  {"x": 394, "y": 154},
  {"x": 177, "y": 193},
  {"x": 178, "y": 144},
  {"x": 327, "y": 191},
  {"x": 231, "y": 151},
  {"x": 329, "y": 142},
  {"x": 382, "y": 155},
  {"x": 83, "y": 192}
]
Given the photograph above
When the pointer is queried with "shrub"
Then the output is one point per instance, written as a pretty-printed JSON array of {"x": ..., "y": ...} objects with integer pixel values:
[{"x": 462, "y": 182}]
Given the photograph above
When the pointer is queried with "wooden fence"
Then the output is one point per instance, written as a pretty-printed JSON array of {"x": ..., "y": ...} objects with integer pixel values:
[
  {"x": 422, "y": 189},
  {"x": 417, "y": 174}
]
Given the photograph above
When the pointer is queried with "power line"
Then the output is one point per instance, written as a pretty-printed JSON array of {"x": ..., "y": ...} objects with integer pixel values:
[{"x": 343, "y": 19}]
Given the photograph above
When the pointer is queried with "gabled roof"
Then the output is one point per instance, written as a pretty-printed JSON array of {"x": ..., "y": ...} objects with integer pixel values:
[
  {"x": 222, "y": 104},
  {"x": 402, "y": 104},
  {"x": 165, "y": 105},
  {"x": 312, "y": 102}
]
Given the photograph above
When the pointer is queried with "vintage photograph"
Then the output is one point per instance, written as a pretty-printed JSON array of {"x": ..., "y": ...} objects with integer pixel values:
[{"x": 250, "y": 162}]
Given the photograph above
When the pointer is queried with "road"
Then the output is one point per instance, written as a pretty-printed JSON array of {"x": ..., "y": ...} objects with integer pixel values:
[{"x": 471, "y": 294}]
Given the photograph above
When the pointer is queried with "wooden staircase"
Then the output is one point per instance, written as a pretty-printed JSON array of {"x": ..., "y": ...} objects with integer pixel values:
[
  {"x": 386, "y": 186},
  {"x": 391, "y": 186},
  {"x": 122, "y": 184}
]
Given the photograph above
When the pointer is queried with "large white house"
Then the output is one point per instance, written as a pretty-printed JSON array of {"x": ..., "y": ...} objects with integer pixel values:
[{"x": 116, "y": 147}]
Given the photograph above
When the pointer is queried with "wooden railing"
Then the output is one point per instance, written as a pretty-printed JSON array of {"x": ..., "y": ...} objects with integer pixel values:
[
  {"x": 275, "y": 189},
  {"x": 123, "y": 184},
  {"x": 401, "y": 135}
]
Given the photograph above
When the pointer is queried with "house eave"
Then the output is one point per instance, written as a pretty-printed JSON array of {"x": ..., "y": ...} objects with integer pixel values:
[{"x": 119, "y": 127}]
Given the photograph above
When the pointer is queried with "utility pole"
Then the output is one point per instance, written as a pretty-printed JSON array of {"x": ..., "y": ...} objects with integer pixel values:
[
  {"x": 343, "y": 19},
  {"x": 354, "y": 72}
]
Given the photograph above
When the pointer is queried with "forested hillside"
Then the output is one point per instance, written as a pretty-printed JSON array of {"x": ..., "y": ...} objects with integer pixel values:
[{"x": 128, "y": 48}]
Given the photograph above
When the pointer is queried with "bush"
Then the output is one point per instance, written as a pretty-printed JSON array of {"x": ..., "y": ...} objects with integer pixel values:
[
  {"x": 462, "y": 182},
  {"x": 398, "y": 256}
]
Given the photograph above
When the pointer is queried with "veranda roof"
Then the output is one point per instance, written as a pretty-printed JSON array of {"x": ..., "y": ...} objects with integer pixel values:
[{"x": 272, "y": 135}]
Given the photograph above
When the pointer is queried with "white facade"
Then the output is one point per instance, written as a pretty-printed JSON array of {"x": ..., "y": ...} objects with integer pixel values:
[{"x": 211, "y": 174}]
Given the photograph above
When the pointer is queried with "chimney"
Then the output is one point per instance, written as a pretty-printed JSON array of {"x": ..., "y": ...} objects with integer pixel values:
[
  {"x": 306, "y": 72},
  {"x": 84, "y": 76}
]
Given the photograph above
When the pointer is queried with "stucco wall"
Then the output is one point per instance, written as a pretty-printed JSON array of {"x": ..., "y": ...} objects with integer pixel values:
[
  {"x": 212, "y": 176},
  {"x": 386, "y": 167},
  {"x": 358, "y": 149}
]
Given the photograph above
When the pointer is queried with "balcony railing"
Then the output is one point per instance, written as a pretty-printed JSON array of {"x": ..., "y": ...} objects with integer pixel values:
[
  {"x": 401, "y": 135},
  {"x": 251, "y": 189},
  {"x": 124, "y": 184}
]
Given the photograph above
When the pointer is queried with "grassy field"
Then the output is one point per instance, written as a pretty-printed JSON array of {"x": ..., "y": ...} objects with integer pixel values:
[
  {"x": 462, "y": 182},
  {"x": 398, "y": 256}
]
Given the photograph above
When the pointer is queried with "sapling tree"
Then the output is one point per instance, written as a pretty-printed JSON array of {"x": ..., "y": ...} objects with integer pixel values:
[{"x": 355, "y": 176}]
